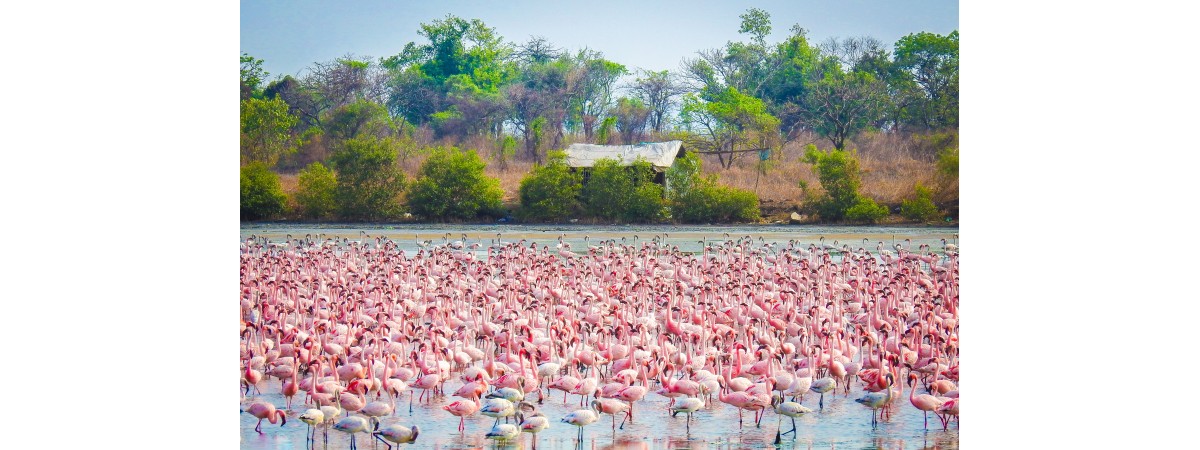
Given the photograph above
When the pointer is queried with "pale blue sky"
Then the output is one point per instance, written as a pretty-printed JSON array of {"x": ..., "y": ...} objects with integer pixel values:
[{"x": 290, "y": 36}]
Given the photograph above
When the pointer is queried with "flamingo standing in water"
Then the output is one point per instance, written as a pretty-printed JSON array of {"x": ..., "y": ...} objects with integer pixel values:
[
  {"x": 462, "y": 409},
  {"x": 535, "y": 424},
  {"x": 687, "y": 405},
  {"x": 924, "y": 402},
  {"x": 264, "y": 410},
  {"x": 397, "y": 433},
  {"x": 792, "y": 410},
  {"x": 351, "y": 425},
  {"x": 312, "y": 417},
  {"x": 876, "y": 400},
  {"x": 581, "y": 418}
]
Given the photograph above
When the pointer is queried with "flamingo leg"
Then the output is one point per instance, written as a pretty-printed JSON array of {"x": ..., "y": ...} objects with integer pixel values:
[{"x": 384, "y": 442}]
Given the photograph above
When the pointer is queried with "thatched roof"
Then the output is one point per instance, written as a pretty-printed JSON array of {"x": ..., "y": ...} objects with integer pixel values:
[{"x": 660, "y": 154}]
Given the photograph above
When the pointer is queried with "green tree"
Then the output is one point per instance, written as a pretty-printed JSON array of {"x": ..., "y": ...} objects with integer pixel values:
[
  {"x": 253, "y": 77},
  {"x": 317, "y": 192},
  {"x": 728, "y": 122},
  {"x": 369, "y": 182},
  {"x": 262, "y": 196},
  {"x": 631, "y": 117},
  {"x": 266, "y": 130},
  {"x": 841, "y": 105},
  {"x": 452, "y": 185},
  {"x": 550, "y": 192},
  {"x": 932, "y": 61}
]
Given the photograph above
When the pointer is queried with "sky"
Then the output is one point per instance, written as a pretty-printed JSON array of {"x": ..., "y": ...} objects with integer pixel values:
[{"x": 291, "y": 36}]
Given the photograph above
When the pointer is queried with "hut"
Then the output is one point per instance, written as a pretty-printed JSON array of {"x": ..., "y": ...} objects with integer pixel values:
[{"x": 660, "y": 155}]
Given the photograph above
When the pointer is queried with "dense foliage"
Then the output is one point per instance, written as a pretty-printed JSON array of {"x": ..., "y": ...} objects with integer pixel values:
[
  {"x": 839, "y": 175},
  {"x": 318, "y": 188},
  {"x": 262, "y": 196},
  {"x": 623, "y": 193},
  {"x": 693, "y": 198},
  {"x": 369, "y": 183},
  {"x": 550, "y": 192},
  {"x": 452, "y": 185},
  {"x": 920, "y": 208}
]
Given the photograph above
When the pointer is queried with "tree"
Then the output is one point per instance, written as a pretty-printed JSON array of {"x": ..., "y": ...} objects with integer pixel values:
[
  {"x": 840, "y": 105},
  {"x": 359, "y": 118},
  {"x": 631, "y": 117},
  {"x": 550, "y": 191},
  {"x": 266, "y": 130},
  {"x": 369, "y": 182},
  {"x": 729, "y": 121},
  {"x": 262, "y": 196},
  {"x": 656, "y": 90},
  {"x": 592, "y": 98},
  {"x": 452, "y": 185},
  {"x": 932, "y": 60},
  {"x": 317, "y": 191},
  {"x": 253, "y": 76}
]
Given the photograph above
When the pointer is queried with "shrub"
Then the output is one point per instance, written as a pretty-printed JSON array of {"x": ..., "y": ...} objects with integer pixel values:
[
  {"x": 696, "y": 199},
  {"x": 452, "y": 185},
  {"x": 318, "y": 185},
  {"x": 628, "y": 193},
  {"x": 369, "y": 183},
  {"x": 262, "y": 195},
  {"x": 921, "y": 208},
  {"x": 865, "y": 210},
  {"x": 550, "y": 192},
  {"x": 838, "y": 173}
]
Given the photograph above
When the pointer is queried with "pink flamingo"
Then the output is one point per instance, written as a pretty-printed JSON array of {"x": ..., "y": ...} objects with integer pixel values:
[
  {"x": 923, "y": 402},
  {"x": 462, "y": 409},
  {"x": 264, "y": 410}
]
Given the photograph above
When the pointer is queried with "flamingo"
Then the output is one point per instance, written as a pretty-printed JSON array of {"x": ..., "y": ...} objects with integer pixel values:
[
  {"x": 503, "y": 432},
  {"x": 375, "y": 410},
  {"x": 580, "y": 418},
  {"x": 312, "y": 417},
  {"x": 792, "y": 410},
  {"x": 924, "y": 402},
  {"x": 687, "y": 405},
  {"x": 462, "y": 409},
  {"x": 949, "y": 408},
  {"x": 351, "y": 425},
  {"x": 264, "y": 410},
  {"x": 876, "y": 400},
  {"x": 822, "y": 386},
  {"x": 498, "y": 407},
  {"x": 397, "y": 433},
  {"x": 611, "y": 407},
  {"x": 534, "y": 424}
]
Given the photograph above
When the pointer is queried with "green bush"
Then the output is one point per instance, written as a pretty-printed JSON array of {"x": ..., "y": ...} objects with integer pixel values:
[
  {"x": 318, "y": 185},
  {"x": 865, "y": 210},
  {"x": 626, "y": 193},
  {"x": 262, "y": 195},
  {"x": 452, "y": 185},
  {"x": 921, "y": 208},
  {"x": 369, "y": 182},
  {"x": 696, "y": 199},
  {"x": 947, "y": 162},
  {"x": 838, "y": 173},
  {"x": 550, "y": 192}
]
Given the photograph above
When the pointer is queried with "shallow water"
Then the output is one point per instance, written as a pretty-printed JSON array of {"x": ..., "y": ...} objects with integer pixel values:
[
  {"x": 687, "y": 238},
  {"x": 841, "y": 424}
]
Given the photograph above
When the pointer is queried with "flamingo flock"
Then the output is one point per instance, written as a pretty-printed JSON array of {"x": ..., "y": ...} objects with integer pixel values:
[{"x": 349, "y": 326}]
